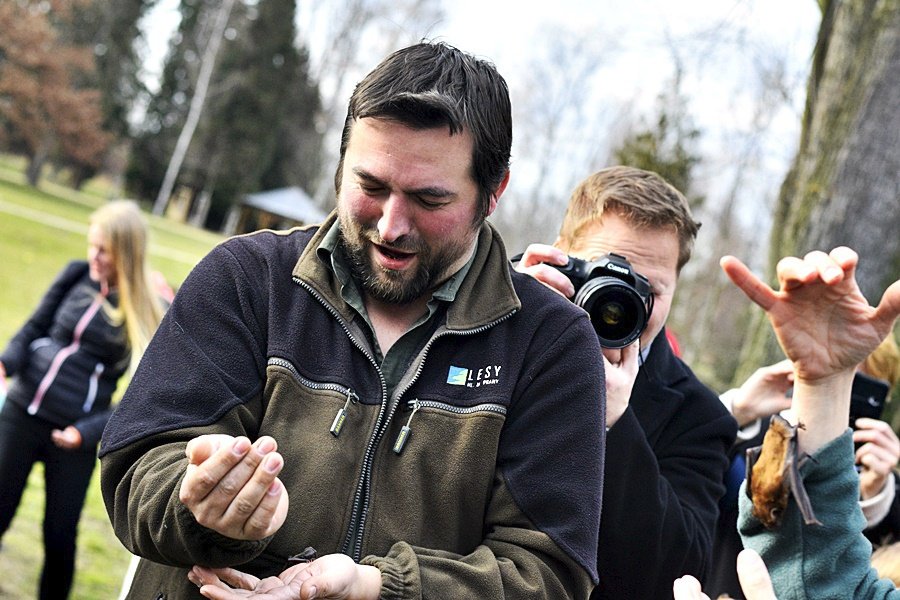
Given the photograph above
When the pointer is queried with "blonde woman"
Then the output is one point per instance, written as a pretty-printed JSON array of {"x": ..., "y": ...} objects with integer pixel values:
[{"x": 64, "y": 363}]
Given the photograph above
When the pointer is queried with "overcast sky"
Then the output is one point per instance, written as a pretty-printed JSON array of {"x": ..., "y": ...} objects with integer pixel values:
[{"x": 723, "y": 46}]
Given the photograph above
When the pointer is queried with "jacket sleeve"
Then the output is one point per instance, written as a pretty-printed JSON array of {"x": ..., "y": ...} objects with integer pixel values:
[
  {"x": 661, "y": 502},
  {"x": 888, "y": 529},
  {"x": 91, "y": 427},
  {"x": 38, "y": 325},
  {"x": 827, "y": 561},
  {"x": 201, "y": 374},
  {"x": 543, "y": 517}
]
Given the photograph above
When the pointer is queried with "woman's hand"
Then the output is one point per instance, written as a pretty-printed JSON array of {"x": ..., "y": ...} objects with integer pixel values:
[
  {"x": 67, "y": 439},
  {"x": 825, "y": 327}
]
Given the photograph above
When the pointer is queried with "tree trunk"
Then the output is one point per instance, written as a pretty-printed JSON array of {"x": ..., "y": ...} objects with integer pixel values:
[
  {"x": 844, "y": 185},
  {"x": 36, "y": 162},
  {"x": 193, "y": 118}
]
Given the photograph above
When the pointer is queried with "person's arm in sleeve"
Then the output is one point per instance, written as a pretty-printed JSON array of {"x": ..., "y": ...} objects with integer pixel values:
[
  {"x": 665, "y": 504},
  {"x": 826, "y": 327},
  {"x": 201, "y": 374},
  {"x": 38, "y": 324}
]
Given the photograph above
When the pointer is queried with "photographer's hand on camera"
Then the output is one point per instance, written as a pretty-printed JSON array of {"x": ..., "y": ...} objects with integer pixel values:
[
  {"x": 536, "y": 261},
  {"x": 621, "y": 364},
  {"x": 621, "y": 367}
]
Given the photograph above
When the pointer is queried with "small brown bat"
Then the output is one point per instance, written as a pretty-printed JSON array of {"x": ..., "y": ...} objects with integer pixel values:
[{"x": 774, "y": 474}]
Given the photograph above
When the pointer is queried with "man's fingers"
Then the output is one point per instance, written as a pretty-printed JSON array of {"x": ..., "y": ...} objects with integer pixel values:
[
  {"x": 750, "y": 284},
  {"x": 257, "y": 506},
  {"x": 220, "y": 577},
  {"x": 552, "y": 278},
  {"x": 202, "y": 447},
  {"x": 542, "y": 253},
  {"x": 754, "y": 576},
  {"x": 888, "y": 309},
  {"x": 247, "y": 471},
  {"x": 205, "y": 478}
]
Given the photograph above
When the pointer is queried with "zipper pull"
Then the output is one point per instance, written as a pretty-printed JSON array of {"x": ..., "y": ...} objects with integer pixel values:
[
  {"x": 403, "y": 436},
  {"x": 341, "y": 416}
]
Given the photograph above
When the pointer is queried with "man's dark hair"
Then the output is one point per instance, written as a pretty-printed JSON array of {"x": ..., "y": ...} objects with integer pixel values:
[{"x": 433, "y": 84}]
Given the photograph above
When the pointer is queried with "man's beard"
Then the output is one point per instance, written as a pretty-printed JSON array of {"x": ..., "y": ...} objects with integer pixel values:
[{"x": 396, "y": 287}]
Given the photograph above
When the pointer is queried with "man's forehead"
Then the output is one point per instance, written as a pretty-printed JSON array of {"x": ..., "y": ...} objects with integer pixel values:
[{"x": 650, "y": 247}]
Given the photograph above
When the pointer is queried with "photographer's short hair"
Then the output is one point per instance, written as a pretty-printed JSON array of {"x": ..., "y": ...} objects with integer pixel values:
[
  {"x": 433, "y": 84},
  {"x": 641, "y": 197}
]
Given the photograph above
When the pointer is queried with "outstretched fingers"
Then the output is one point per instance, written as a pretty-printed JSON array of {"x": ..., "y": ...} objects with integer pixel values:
[
  {"x": 888, "y": 309},
  {"x": 755, "y": 289}
]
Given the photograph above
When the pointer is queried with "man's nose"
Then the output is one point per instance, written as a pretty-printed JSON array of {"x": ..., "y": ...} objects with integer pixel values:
[{"x": 395, "y": 218}]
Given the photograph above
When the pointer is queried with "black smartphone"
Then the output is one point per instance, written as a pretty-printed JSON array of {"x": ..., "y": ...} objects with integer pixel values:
[{"x": 867, "y": 397}]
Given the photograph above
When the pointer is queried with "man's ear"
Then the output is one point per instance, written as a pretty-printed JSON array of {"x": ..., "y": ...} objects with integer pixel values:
[{"x": 495, "y": 197}]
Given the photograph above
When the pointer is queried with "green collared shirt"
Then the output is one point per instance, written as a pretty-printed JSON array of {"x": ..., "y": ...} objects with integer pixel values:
[{"x": 405, "y": 349}]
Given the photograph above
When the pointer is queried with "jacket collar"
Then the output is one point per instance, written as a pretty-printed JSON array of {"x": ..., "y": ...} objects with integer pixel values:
[
  {"x": 485, "y": 295},
  {"x": 655, "y": 396}
]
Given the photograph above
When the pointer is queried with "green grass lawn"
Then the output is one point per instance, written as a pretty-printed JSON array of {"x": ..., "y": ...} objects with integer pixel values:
[{"x": 40, "y": 231}]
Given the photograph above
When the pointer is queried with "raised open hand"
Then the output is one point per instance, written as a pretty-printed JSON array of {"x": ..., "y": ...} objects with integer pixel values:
[{"x": 821, "y": 319}]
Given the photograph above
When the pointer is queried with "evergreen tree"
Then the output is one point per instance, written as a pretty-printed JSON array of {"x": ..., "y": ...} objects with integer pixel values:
[
  {"x": 667, "y": 147},
  {"x": 112, "y": 30},
  {"x": 257, "y": 129}
]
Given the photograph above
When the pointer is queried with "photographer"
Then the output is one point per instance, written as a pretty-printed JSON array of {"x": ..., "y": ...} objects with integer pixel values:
[{"x": 668, "y": 433}]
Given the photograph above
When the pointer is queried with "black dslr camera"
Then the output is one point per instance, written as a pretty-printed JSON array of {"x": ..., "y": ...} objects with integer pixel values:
[{"x": 617, "y": 297}]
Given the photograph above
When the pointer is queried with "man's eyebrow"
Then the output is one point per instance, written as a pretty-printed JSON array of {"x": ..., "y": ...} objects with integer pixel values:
[{"x": 429, "y": 191}]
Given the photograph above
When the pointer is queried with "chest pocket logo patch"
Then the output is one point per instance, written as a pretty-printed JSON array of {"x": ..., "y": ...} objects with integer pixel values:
[{"x": 472, "y": 378}]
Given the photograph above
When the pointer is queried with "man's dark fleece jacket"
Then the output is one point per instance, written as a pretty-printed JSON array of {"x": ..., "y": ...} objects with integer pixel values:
[{"x": 496, "y": 493}]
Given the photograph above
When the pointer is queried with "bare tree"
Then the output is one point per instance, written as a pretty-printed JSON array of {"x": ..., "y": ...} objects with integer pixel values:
[
  {"x": 348, "y": 36},
  {"x": 559, "y": 133},
  {"x": 220, "y": 22},
  {"x": 844, "y": 184}
]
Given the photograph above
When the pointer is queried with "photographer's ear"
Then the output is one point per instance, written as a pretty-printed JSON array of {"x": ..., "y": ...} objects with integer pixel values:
[{"x": 562, "y": 245}]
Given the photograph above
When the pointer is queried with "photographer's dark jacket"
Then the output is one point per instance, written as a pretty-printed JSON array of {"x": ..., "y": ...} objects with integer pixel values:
[
  {"x": 665, "y": 463},
  {"x": 65, "y": 361},
  {"x": 496, "y": 493}
]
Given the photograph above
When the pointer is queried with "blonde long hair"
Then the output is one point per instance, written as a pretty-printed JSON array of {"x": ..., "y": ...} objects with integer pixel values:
[{"x": 140, "y": 309}]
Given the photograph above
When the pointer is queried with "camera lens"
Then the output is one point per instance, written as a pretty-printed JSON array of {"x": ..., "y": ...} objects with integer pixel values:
[
  {"x": 612, "y": 313},
  {"x": 617, "y": 311}
]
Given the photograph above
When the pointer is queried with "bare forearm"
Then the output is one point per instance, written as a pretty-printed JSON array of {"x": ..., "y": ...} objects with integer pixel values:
[{"x": 822, "y": 407}]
